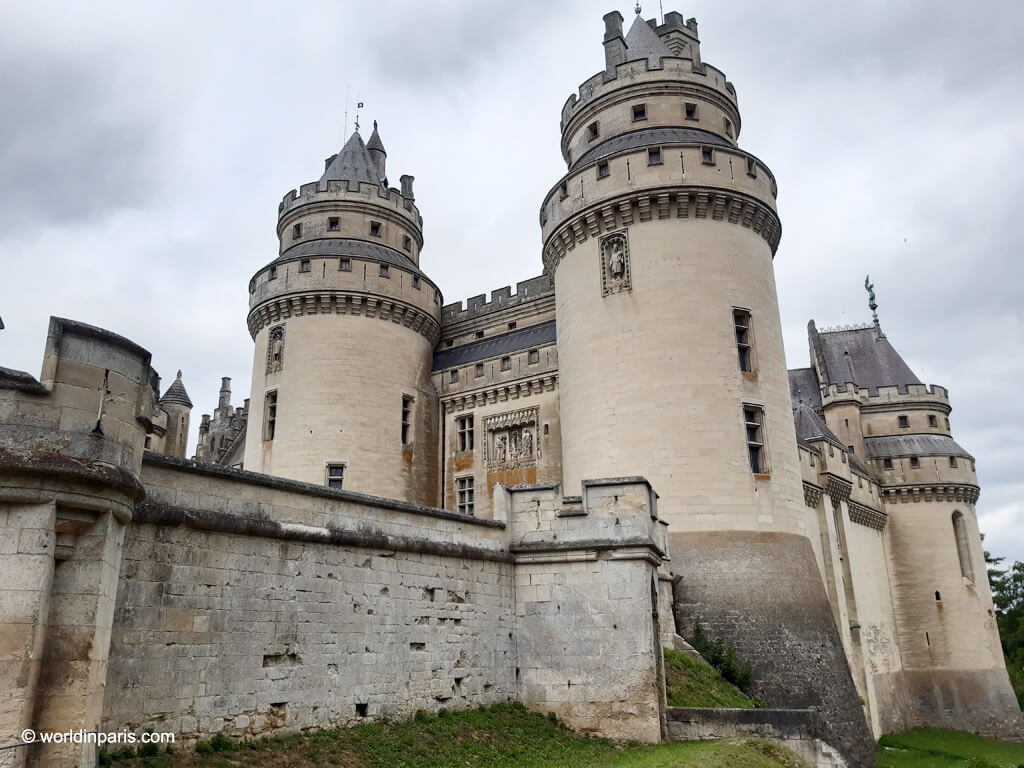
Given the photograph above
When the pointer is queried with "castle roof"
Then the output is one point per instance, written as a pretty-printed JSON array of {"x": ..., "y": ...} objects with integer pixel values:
[
  {"x": 176, "y": 394},
  {"x": 524, "y": 338},
  {"x": 642, "y": 42},
  {"x": 810, "y": 427},
  {"x": 375, "y": 143},
  {"x": 646, "y": 137},
  {"x": 803, "y": 388},
  {"x": 360, "y": 249},
  {"x": 862, "y": 356},
  {"x": 353, "y": 163},
  {"x": 912, "y": 445}
]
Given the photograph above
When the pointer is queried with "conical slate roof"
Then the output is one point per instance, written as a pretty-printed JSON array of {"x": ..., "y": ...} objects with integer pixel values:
[
  {"x": 375, "y": 142},
  {"x": 353, "y": 163},
  {"x": 642, "y": 42},
  {"x": 176, "y": 394},
  {"x": 810, "y": 427}
]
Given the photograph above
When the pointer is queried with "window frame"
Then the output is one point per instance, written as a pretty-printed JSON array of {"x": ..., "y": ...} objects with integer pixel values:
[
  {"x": 744, "y": 335},
  {"x": 270, "y": 404},
  {"x": 465, "y": 495},
  {"x": 757, "y": 450},
  {"x": 464, "y": 433},
  {"x": 330, "y": 477},
  {"x": 407, "y": 405}
]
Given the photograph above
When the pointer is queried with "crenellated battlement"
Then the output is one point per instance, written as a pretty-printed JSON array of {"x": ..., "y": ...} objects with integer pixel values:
[
  {"x": 334, "y": 191},
  {"x": 928, "y": 393},
  {"x": 501, "y": 298},
  {"x": 674, "y": 68}
]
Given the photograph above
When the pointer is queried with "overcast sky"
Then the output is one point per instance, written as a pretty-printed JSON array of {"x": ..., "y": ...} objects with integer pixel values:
[{"x": 144, "y": 147}]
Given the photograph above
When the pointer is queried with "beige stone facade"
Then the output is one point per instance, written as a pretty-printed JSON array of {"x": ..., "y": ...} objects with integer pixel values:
[{"x": 523, "y": 497}]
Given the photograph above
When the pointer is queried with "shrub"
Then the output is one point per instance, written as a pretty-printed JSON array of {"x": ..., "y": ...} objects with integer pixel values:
[{"x": 723, "y": 658}]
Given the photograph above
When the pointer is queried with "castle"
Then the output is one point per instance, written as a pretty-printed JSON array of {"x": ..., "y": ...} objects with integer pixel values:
[{"x": 425, "y": 505}]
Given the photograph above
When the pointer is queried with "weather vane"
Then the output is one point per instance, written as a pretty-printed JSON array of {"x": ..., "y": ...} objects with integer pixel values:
[
  {"x": 639, "y": 10},
  {"x": 359, "y": 105},
  {"x": 870, "y": 288}
]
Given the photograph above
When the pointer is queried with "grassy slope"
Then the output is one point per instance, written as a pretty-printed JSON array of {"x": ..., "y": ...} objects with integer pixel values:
[
  {"x": 504, "y": 736},
  {"x": 694, "y": 683},
  {"x": 927, "y": 748}
]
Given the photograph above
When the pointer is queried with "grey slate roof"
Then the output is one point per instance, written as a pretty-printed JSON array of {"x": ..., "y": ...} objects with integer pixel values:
[
  {"x": 176, "y": 394},
  {"x": 642, "y": 42},
  {"x": 375, "y": 142},
  {"x": 803, "y": 388},
  {"x": 360, "y": 249},
  {"x": 353, "y": 164},
  {"x": 811, "y": 427},
  {"x": 912, "y": 445},
  {"x": 861, "y": 357},
  {"x": 525, "y": 338},
  {"x": 648, "y": 137}
]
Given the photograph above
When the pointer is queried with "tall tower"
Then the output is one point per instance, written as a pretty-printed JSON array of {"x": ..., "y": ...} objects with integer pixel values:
[
  {"x": 660, "y": 238},
  {"x": 345, "y": 324}
]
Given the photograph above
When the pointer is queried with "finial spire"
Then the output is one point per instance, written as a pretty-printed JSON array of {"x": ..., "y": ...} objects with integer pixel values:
[
  {"x": 179, "y": 374},
  {"x": 872, "y": 304},
  {"x": 359, "y": 105},
  {"x": 639, "y": 10}
]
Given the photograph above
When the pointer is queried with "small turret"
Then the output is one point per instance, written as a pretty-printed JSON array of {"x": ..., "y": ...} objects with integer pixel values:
[
  {"x": 224, "y": 400},
  {"x": 376, "y": 149},
  {"x": 178, "y": 407}
]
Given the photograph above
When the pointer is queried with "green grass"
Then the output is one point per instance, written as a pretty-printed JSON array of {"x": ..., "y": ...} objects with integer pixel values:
[
  {"x": 502, "y": 736},
  {"x": 929, "y": 748},
  {"x": 691, "y": 682}
]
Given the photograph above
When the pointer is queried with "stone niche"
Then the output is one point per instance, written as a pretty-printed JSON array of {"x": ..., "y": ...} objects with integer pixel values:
[{"x": 511, "y": 440}]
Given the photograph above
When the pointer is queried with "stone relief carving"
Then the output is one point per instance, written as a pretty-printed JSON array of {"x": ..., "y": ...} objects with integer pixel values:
[
  {"x": 511, "y": 440},
  {"x": 275, "y": 349},
  {"x": 615, "y": 272}
]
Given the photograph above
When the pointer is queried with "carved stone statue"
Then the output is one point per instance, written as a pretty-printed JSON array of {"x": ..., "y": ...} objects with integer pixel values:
[
  {"x": 499, "y": 448},
  {"x": 617, "y": 263},
  {"x": 527, "y": 447}
]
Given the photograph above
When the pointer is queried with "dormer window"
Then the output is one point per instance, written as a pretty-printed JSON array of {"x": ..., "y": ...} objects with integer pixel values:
[{"x": 639, "y": 112}]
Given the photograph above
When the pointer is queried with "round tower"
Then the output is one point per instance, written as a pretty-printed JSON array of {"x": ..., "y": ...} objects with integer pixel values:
[
  {"x": 660, "y": 239},
  {"x": 178, "y": 406},
  {"x": 345, "y": 324}
]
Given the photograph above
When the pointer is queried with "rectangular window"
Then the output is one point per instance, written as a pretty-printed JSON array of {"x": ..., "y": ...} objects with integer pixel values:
[
  {"x": 602, "y": 170},
  {"x": 479, "y": 370},
  {"x": 915, "y": 462},
  {"x": 933, "y": 421},
  {"x": 506, "y": 363},
  {"x": 335, "y": 475},
  {"x": 296, "y": 231},
  {"x": 533, "y": 356},
  {"x": 464, "y": 429},
  {"x": 952, "y": 461},
  {"x": 691, "y": 111},
  {"x": 904, "y": 422},
  {"x": 385, "y": 270},
  {"x": 416, "y": 282},
  {"x": 887, "y": 463},
  {"x": 563, "y": 191},
  {"x": 407, "y": 243},
  {"x": 333, "y": 223},
  {"x": 345, "y": 264},
  {"x": 947, "y": 425},
  {"x": 728, "y": 127},
  {"x": 454, "y": 375},
  {"x": 741, "y": 319},
  {"x": 478, "y": 335},
  {"x": 592, "y": 131},
  {"x": 304, "y": 265},
  {"x": 707, "y": 155},
  {"x": 273, "y": 274},
  {"x": 512, "y": 325},
  {"x": 375, "y": 228},
  {"x": 407, "y": 401},
  {"x": 464, "y": 486},
  {"x": 753, "y": 419},
  {"x": 654, "y": 156},
  {"x": 269, "y": 415},
  {"x": 751, "y": 167},
  {"x": 639, "y": 112}
]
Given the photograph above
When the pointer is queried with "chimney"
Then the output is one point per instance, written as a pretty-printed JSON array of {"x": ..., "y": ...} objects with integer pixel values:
[
  {"x": 406, "y": 181},
  {"x": 225, "y": 392},
  {"x": 614, "y": 42}
]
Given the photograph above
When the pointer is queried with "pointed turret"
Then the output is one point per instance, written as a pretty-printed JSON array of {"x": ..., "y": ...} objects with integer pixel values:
[
  {"x": 354, "y": 164},
  {"x": 176, "y": 394},
  {"x": 376, "y": 149},
  {"x": 178, "y": 406},
  {"x": 642, "y": 42}
]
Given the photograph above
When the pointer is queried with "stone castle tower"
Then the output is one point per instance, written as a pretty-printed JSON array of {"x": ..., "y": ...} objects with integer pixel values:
[{"x": 345, "y": 324}]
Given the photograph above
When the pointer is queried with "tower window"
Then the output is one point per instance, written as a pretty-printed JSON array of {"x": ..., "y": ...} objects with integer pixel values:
[
  {"x": 952, "y": 462},
  {"x": 691, "y": 111},
  {"x": 385, "y": 271},
  {"x": 592, "y": 131},
  {"x": 915, "y": 462},
  {"x": 478, "y": 335},
  {"x": 753, "y": 419},
  {"x": 416, "y": 282},
  {"x": 407, "y": 243},
  {"x": 272, "y": 274},
  {"x": 887, "y": 463},
  {"x": 375, "y": 228},
  {"x": 296, "y": 231},
  {"x": 464, "y": 428},
  {"x": 947, "y": 425},
  {"x": 407, "y": 401},
  {"x": 533, "y": 356},
  {"x": 270, "y": 415},
  {"x": 563, "y": 190},
  {"x": 464, "y": 486},
  {"x": 506, "y": 363},
  {"x": 728, "y": 127},
  {"x": 963, "y": 547},
  {"x": 449, "y": 342},
  {"x": 933, "y": 421},
  {"x": 741, "y": 319},
  {"x": 602, "y": 170},
  {"x": 707, "y": 155},
  {"x": 335, "y": 475},
  {"x": 333, "y": 223},
  {"x": 904, "y": 422},
  {"x": 639, "y": 112},
  {"x": 345, "y": 264},
  {"x": 751, "y": 167},
  {"x": 654, "y": 156},
  {"x": 479, "y": 370},
  {"x": 304, "y": 265},
  {"x": 453, "y": 377},
  {"x": 512, "y": 325}
]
